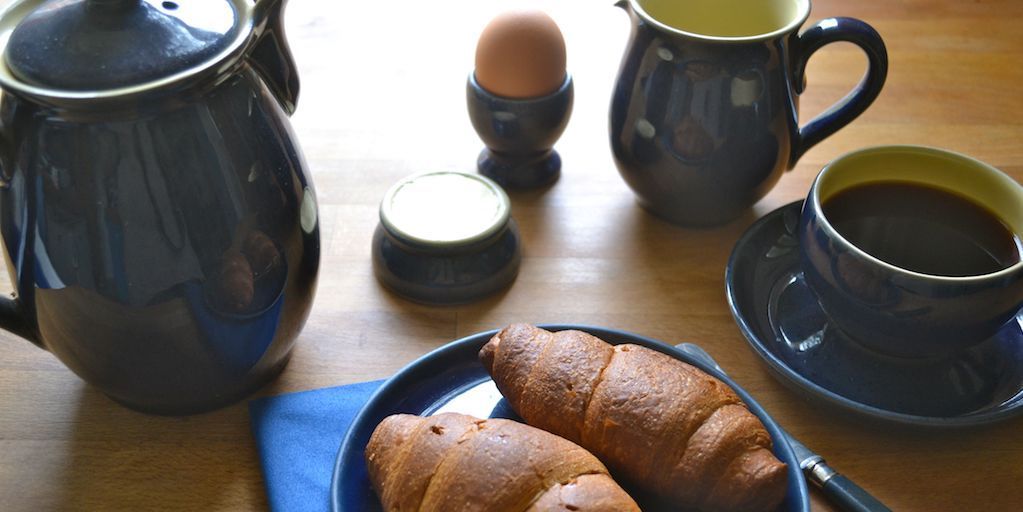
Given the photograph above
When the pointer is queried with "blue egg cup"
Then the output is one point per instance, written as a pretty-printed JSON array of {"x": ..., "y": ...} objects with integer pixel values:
[{"x": 519, "y": 134}]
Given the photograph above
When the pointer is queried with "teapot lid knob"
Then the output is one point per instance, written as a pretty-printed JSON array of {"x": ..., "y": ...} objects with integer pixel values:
[{"x": 98, "y": 45}]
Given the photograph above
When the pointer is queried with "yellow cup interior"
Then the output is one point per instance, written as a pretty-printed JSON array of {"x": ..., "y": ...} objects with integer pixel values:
[
  {"x": 727, "y": 18},
  {"x": 959, "y": 174}
]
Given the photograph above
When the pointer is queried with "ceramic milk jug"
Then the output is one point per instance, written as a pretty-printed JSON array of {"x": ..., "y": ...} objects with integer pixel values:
[
  {"x": 705, "y": 113},
  {"x": 157, "y": 219}
]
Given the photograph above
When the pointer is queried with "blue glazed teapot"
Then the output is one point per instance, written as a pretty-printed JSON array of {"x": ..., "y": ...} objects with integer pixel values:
[{"x": 157, "y": 218}]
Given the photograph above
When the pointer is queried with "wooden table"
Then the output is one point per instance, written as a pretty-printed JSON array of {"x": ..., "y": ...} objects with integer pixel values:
[{"x": 382, "y": 97}]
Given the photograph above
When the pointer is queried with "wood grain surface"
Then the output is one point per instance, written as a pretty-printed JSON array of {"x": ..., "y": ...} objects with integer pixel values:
[{"x": 382, "y": 97}]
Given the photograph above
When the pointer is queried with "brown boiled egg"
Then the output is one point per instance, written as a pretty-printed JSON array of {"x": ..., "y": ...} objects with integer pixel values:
[{"x": 521, "y": 54}]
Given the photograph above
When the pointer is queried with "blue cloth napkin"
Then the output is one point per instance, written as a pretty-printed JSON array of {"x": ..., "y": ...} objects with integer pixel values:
[{"x": 298, "y": 436}]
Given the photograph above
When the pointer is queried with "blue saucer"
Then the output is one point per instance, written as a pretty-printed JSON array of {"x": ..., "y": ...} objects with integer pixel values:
[
  {"x": 782, "y": 321},
  {"x": 451, "y": 379}
]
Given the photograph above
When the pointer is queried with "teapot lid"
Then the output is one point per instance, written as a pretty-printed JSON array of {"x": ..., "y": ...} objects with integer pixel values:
[{"x": 95, "y": 45}]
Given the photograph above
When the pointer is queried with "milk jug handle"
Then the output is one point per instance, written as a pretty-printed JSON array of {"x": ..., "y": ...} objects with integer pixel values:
[
  {"x": 271, "y": 56},
  {"x": 828, "y": 31}
]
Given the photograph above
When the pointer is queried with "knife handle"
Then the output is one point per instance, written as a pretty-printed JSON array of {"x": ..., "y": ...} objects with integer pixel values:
[{"x": 851, "y": 497}]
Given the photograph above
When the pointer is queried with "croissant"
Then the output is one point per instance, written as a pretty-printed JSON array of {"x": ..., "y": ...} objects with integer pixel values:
[
  {"x": 658, "y": 423},
  {"x": 453, "y": 462}
]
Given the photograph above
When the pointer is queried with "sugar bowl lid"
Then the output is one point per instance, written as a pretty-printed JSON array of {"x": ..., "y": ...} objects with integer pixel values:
[
  {"x": 444, "y": 209},
  {"x": 97, "y": 45}
]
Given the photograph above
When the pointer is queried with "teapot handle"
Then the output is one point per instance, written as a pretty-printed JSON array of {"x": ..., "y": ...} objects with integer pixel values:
[
  {"x": 12, "y": 317},
  {"x": 828, "y": 31},
  {"x": 271, "y": 57},
  {"x": 13, "y": 321}
]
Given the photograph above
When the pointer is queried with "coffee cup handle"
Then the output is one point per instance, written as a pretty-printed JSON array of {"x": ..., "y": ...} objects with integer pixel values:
[{"x": 828, "y": 31}]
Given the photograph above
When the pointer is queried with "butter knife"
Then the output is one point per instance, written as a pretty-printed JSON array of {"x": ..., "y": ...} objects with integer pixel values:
[
  {"x": 839, "y": 489},
  {"x": 843, "y": 492}
]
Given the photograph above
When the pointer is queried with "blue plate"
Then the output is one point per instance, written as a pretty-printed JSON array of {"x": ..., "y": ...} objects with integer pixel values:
[
  {"x": 451, "y": 379},
  {"x": 786, "y": 327}
]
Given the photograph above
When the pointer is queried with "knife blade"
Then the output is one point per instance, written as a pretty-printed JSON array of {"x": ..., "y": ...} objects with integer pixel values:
[{"x": 839, "y": 489}]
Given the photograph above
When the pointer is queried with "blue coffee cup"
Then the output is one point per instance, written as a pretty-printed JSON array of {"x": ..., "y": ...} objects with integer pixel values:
[{"x": 885, "y": 306}]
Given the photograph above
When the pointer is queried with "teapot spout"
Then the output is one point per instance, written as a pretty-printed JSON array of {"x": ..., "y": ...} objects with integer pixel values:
[{"x": 271, "y": 56}]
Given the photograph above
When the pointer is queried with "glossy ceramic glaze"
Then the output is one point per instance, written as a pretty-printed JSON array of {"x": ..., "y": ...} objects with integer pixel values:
[
  {"x": 139, "y": 41},
  {"x": 787, "y": 328},
  {"x": 453, "y": 275},
  {"x": 163, "y": 242},
  {"x": 702, "y": 125},
  {"x": 897, "y": 311},
  {"x": 519, "y": 134},
  {"x": 451, "y": 379},
  {"x": 456, "y": 276}
]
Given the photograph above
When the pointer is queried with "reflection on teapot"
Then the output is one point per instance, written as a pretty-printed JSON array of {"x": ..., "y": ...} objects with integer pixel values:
[
  {"x": 249, "y": 276},
  {"x": 121, "y": 196}
]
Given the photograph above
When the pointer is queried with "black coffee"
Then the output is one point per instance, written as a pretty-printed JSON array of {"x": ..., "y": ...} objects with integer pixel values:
[{"x": 924, "y": 229}]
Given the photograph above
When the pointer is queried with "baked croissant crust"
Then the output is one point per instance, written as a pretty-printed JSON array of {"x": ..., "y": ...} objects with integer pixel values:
[
  {"x": 453, "y": 462},
  {"x": 658, "y": 423}
]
